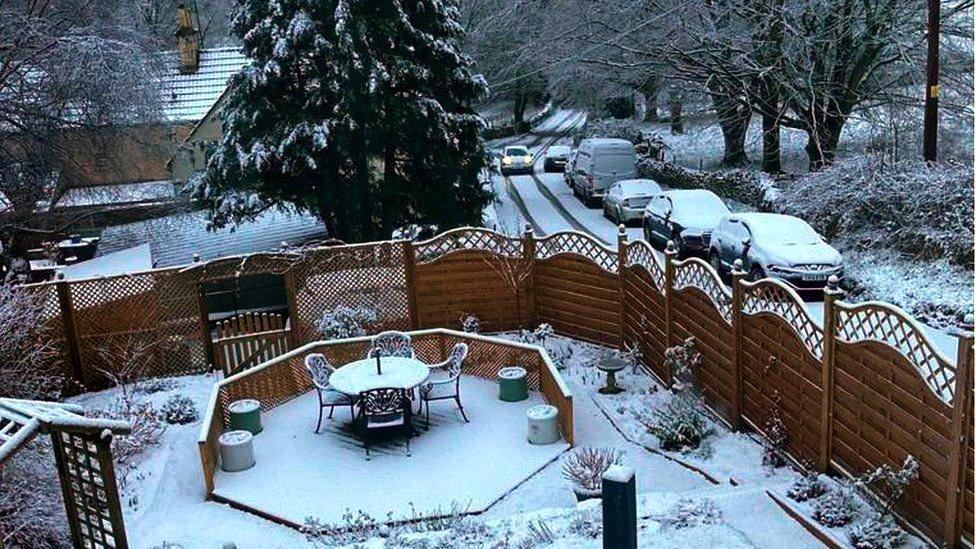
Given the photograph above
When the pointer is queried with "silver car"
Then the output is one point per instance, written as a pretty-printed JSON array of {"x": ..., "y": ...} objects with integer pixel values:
[
  {"x": 556, "y": 158},
  {"x": 625, "y": 200},
  {"x": 778, "y": 246}
]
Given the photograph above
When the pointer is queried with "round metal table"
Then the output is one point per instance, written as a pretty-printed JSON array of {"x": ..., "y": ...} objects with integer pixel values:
[{"x": 361, "y": 375}]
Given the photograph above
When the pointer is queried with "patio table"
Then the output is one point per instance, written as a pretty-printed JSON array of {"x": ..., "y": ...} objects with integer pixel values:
[{"x": 361, "y": 375}]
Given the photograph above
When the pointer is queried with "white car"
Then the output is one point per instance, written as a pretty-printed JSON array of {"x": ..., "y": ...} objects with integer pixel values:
[
  {"x": 778, "y": 246},
  {"x": 516, "y": 159},
  {"x": 625, "y": 200},
  {"x": 687, "y": 217}
]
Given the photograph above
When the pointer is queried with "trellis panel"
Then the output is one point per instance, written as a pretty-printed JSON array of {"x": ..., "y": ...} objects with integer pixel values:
[
  {"x": 89, "y": 490},
  {"x": 371, "y": 275},
  {"x": 883, "y": 412}
]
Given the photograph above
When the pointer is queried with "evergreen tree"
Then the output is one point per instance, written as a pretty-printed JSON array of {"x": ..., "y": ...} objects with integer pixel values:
[{"x": 359, "y": 111}]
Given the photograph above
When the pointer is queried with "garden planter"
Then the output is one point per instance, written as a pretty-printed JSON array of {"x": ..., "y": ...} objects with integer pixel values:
[{"x": 583, "y": 494}]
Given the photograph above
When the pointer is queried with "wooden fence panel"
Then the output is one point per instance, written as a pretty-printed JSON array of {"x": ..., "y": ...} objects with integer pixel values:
[
  {"x": 968, "y": 478},
  {"x": 249, "y": 339},
  {"x": 578, "y": 298},
  {"x": 466, "y": 282},
  {"x": 701, "y": 309},
  {"x": 645, "y": 318},
  {"x": 775, "y": 362},
  {"x": 884, "y": 411}
]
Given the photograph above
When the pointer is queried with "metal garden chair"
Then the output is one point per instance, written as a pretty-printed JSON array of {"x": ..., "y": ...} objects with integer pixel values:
[
  {"x": 319, "y": 369},
  {"x": 448, "y": 384},
  {"x": 391, "y": 343},
  {"x": 385, "y": 408}
]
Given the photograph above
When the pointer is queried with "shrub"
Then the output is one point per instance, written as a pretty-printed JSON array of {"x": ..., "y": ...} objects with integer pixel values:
[
  {"x": 344, "y": 322},
  {"x": 889, "y": 485},
  {"x": 470, "y": 324},
  {"x": 31, "y": 513},
  {"x": 688, "y": 513},
  {"x": 179, "y": 410},
  {"x": 539, "y": 336},
  {"x": 807, "y": 487},
  {"x": 679, "y": 426},
  {"x": 877, "y": 532},
  {"x": 585, "y": 467},
  {"x": 682, "y": 361},
  {"x": 29, "y": 358},
  {"x": 776, "y": 436},
  {"x": 154, "y": 385},
  {"x": 836, "y": 508}
]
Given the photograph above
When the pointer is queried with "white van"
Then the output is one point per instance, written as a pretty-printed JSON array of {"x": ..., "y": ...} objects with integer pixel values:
[{"x": 599, "y": 163}]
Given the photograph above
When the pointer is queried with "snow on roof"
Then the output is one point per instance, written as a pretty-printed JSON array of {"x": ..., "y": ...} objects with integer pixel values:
[
  {"x": 639, "y": 186},
  {"x": 174, "y": 239},
  {"x": 123, "y": 193},
  {"x": 130, "y": 260},
  {"x": 189, "y": 97}
]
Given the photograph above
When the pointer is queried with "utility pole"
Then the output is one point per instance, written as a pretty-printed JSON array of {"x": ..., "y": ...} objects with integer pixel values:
[{"x": 930, "y": 138}]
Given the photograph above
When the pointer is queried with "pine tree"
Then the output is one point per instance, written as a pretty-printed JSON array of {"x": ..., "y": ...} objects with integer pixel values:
[{"x": 359, "y": 111}]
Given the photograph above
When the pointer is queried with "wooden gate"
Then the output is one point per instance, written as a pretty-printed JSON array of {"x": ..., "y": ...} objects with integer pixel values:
[{"x": 249, "y": 339}]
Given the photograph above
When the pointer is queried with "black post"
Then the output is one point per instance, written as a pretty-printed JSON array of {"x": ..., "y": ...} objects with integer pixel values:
[
  {"x": 930, "y": 138},
  {"x": 619, "y": 508}
]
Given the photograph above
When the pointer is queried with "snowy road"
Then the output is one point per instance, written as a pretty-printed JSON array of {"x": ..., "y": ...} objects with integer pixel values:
[{"x": 546, "y": 203}]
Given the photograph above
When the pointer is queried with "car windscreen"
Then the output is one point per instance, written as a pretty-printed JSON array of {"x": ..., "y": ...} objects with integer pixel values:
[
  {"x": 613, "y": 161},
  {"x": 788, "y": 232},
  {"x": 558, "y": 150},
  {"x": 516, "y": 151},
  {"x": 698, "y": 211}
]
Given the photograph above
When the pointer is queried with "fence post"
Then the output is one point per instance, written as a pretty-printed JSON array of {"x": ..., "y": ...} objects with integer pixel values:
[
  {"x": 619, "y": 508},
  {"x": 737, "y": 276},
  {"x": 205, "y": 332},
  {"x": 831, "y": 295},
  {"x": 962, "y": 404},
  {"x": 528, "y": 254},
  {"x": 621, "y": 267},
  {"x": 70, "y": 332},
  {"x": 409, "y": 268},
  {"x": 670, "y": 254},
  {"x": 291, "y": 293}
]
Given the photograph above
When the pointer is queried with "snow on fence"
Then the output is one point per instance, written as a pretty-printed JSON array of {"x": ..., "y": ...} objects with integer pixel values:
[
  {"x": 863, "y": 389},
  {"x": 283, "y": 378}
]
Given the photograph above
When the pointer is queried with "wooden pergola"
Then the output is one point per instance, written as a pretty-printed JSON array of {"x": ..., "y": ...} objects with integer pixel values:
[{"x": 83, "y": 453}]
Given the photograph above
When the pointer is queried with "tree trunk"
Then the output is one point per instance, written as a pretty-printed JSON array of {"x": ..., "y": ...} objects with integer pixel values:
[
  {"x": 518, "y": 110},
  {"x": 771, "y": 159},
  {"x": 677, "y": 122},
  {"x": 822, "y": 141},
  {"x": 733, "y": 118},
  {"x": 650, "y": 91}
]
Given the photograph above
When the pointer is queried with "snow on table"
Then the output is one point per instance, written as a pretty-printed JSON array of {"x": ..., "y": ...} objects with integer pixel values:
[
  {"x": 301, "y": 474},
  {"x": 396, "y": 372}
]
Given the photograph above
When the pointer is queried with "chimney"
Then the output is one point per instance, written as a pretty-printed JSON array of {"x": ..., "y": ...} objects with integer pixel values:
[{"x": 187, "y": 40}]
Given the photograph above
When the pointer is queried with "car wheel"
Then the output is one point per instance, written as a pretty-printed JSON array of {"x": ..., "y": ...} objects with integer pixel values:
[
  {"x": 756, "y": 273},
  {"x": 606, "y": 213},
  {"x": 619, "y": 217}
]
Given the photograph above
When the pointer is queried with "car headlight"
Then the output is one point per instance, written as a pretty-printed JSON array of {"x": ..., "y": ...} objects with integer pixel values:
[
  {"x": 506, "y": 160},
  {"x": 528, "y": 159}
]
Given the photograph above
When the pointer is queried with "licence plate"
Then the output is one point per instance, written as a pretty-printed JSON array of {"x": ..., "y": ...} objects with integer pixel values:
[{"x": 815, "y": 277}]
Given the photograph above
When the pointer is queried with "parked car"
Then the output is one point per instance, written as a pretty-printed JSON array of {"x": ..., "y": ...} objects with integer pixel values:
[
  {"x": 516, "y": 159},
  {"x": 556, "y": 158},
  {"x": 601, "y": 162},
  {"x": 777, "y": 246},
  {"x": 686, "y": 217},
  {"x": 626, "y": 200}
]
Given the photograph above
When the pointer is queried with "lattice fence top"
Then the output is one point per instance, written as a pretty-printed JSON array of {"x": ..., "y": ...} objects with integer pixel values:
[
  {"x": 884, "y": 323},
  {"x": 640, "y": 254},
  {"x": 774, "y": 297},
  {"x": 467, "y": 238},
  {"x": 695, "y": 273},
  {"x": 572, "y": 242}
]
